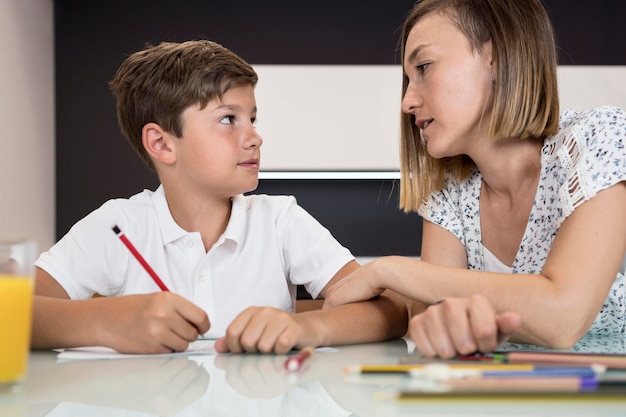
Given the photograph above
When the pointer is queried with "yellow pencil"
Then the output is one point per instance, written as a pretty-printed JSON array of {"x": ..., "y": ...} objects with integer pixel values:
[{"x": 407, "y": 368}]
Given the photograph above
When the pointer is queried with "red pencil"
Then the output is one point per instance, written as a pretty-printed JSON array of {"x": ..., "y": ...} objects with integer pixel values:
[
  {"x": 294, "y": 363},
  {"x": 140, "y": 258}
]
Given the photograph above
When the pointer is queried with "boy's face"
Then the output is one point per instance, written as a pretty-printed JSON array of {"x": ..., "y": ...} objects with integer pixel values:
[{"x": 220, "y": 152}]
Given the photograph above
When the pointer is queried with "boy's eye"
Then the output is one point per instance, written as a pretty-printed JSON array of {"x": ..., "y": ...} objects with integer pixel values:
[{"x": 227, "y": 120}]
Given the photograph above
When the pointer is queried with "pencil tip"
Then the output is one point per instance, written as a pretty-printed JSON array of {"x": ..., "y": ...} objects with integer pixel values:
[
  {"x": 116, "y": 229},
  {"x": 598, "y": 368},
  {"x": 353, "y": 369}
]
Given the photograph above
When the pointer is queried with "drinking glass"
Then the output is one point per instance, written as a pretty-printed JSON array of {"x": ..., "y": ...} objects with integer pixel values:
[{"x": 17, "y": 256}]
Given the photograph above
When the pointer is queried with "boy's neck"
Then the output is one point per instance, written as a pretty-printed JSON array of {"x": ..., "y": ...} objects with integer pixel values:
[{"x": 208, "y": 216}]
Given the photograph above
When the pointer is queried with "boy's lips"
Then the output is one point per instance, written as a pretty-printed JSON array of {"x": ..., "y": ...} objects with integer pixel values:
[{"x": 250, "y": 163}]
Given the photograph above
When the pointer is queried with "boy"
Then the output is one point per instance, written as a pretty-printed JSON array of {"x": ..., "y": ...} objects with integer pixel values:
[{"x": 188, "y": 110}]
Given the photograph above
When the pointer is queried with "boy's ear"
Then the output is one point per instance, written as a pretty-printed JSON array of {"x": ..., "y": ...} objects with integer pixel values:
[{"x": 157, "y": 143}]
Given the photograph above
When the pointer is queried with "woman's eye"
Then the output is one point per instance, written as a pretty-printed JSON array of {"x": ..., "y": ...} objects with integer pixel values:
[
  {"x": 421, "y": 68},
  {"x": 227, "y": 120}
]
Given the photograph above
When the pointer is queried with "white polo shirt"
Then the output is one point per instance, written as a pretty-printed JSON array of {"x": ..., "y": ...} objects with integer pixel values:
[{"x": 270, "y": 245}]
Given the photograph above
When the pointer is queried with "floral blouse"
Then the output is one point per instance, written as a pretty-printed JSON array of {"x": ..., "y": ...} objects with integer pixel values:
[{"x": 588, "y": 155}]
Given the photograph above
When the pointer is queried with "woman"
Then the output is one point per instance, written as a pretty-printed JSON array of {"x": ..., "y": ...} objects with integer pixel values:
[{"x": 521, "y": 207}]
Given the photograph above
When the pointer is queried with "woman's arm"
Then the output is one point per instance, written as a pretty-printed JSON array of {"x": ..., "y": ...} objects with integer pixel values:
[{"x": 556, "y": 307}]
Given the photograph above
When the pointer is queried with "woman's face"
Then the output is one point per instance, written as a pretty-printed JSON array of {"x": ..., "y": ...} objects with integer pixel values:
[{"x": 449, "y": 91}]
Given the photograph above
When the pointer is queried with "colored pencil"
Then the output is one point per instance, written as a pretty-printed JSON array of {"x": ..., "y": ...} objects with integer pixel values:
[
  {"x": 444, "y": 372},
  {"x": 531, "y": 384},
  {"x": 407, "y": 368},
  {"x": 294, "y": 363},
  {"x": 608, "y": 360},
  {"x": 140, "y": 258}
]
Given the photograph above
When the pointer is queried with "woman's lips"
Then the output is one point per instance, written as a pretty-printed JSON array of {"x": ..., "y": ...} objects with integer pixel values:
[{"x": 423, "y": 124}]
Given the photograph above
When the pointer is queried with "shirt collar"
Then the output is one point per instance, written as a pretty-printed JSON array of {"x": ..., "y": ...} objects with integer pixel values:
[
  {"x": 236, "y": 228},
  {"x": 171, "y": 231}
]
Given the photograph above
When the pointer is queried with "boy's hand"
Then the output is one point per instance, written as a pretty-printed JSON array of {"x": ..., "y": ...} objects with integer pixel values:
[
  {"x": 162, "y": 322},
  {"x": 266, "y": 330},
  {"x": 461, "y": 326}
]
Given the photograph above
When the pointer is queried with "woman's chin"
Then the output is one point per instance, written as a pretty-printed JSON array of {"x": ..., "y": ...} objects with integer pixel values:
[{"x": 435, "y": 152}]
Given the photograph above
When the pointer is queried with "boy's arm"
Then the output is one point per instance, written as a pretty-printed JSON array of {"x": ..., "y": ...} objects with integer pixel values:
[
  {"x": 267, "y": 329},
  {"x": 146, "y": 323},
  {"x": 382, "y": 318}
]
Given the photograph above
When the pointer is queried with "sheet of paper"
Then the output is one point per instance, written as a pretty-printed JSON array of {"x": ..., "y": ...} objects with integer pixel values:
[{"x": 199, "y": 347}]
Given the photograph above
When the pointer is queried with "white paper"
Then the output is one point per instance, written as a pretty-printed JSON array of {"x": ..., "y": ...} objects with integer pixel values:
[{"x": 199, "y": 347}]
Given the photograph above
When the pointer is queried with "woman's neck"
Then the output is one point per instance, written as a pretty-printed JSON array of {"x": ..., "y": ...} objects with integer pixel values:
[{"x": 510, "y": 167}]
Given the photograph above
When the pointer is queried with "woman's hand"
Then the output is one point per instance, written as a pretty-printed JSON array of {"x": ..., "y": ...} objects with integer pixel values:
[
  {"x": 461, "y": 326},
  {"x": 360, "y": 285}
]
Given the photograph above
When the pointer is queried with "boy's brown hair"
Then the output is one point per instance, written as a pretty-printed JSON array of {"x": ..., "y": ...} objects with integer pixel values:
[{"x": 158, "y": 83}]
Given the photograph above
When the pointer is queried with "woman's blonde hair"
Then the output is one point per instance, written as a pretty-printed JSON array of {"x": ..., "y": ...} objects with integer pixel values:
[{"x": 525, "y": 92}]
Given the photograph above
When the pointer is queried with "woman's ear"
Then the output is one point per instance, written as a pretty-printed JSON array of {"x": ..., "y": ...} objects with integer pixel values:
[
  {"x": 157, "y": 143},
  {"x": 489, "y": 58}
]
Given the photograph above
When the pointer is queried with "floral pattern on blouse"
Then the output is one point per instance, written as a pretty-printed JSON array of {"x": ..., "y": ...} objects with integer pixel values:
[{"x": 588, "y": 155}]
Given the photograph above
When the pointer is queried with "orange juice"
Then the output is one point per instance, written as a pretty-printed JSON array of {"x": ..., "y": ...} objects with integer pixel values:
[{"x": 16, "y": 298}]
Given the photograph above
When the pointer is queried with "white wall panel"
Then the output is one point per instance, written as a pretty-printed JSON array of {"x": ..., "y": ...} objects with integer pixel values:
[
  {"x": 347, "y": 117},
  {"x": 582, "y": 87},
  {"x": 329, "y": 117}
]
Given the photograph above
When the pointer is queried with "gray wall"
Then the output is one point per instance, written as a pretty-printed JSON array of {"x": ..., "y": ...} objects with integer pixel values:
[{"x": 27, "y": 185}]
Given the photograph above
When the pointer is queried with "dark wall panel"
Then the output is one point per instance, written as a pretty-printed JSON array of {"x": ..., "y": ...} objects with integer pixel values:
[
  {"x": 362, "y": 214},
  {"x": 92, "y": 38}
]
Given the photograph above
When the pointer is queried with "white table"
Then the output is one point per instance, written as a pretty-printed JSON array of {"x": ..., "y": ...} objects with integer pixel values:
[{"x": 251, "y": 385}]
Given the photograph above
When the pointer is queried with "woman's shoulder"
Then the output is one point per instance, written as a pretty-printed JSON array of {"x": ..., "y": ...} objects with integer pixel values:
[
  {"x": 455, "y": 192},
  {"x": 595, "y": 117},
  {"x": 588, "y": 154},
  {"x": 589, "y": 130}
]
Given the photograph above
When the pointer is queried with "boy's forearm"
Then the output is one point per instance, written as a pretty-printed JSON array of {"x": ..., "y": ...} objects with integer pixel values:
[
  {"x": 59, "y": 323},
  {"x": 382, "y": 318}
]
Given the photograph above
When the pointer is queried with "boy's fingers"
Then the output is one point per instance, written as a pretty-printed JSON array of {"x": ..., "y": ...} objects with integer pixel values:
[
  {"x": 236, "y": 329},
  {"x": 221, "y": 346},
  {"x": 192, "y": 314}
]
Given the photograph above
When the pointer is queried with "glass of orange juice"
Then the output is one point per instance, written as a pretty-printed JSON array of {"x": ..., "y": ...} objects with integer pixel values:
[{"x": 17, "y": 256}]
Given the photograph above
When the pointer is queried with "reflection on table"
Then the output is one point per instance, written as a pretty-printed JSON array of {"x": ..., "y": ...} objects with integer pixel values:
[{"x": 255, "y": 385}]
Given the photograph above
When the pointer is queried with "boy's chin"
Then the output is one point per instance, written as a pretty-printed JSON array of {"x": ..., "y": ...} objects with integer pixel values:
[{"x": 251, "y": 187}]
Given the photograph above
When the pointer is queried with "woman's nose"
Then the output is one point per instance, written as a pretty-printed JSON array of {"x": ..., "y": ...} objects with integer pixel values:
[{"x": 411, "y": 99}]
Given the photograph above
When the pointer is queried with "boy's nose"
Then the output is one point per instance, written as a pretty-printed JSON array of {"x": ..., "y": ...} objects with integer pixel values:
[{"x": 254, "y": 140}]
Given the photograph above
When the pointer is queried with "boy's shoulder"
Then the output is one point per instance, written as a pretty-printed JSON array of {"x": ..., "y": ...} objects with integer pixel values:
[
  {"x": 142, "y": 205},
  {"x": 137, "y": 201}
]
